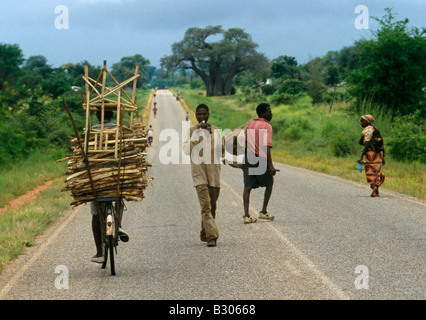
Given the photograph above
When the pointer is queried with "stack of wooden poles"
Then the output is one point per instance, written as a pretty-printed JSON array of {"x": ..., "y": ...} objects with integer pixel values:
[
  {"x": 125, "y": 176},
  {"x": 108, "y": 163}
]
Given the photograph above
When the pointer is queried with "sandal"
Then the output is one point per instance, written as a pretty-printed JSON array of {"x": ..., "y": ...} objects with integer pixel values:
[
  {"x": 266, "y": 216},
  {"x": 97, "y": 259},
  {"x": 249, "y": 220},
  {"x": 211, "y": 243},
  {"x": 375, "y": 192}
]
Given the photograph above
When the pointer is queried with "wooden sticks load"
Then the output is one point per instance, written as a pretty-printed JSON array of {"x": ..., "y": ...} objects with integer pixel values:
[
  {"x": 108, "y": 162},
  {"x": 122, "y": 177}
]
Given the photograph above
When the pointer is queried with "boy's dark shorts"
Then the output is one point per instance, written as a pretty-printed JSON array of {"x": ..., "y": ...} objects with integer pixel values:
[{"x": 256, "y": 181}]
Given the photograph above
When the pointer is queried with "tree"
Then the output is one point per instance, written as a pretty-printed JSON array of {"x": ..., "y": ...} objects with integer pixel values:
[
  {"x": 34, "y": 62},
  {"x": 217, "y": 63},
  {"x": 11, "y": 57},
  {"x": 76, "y": 71},
  {"x": 346, "y": 59},
  {"x": 316, "y": 74},
  {"x": 391, "y": 67},
  {"x": 284, "y": 67},
  {"x": 125, "y": 69},
  {"x": 57, "y": 82}
]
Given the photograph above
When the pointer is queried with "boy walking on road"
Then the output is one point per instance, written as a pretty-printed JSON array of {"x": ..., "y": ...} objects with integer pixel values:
[
  {"x": 258, "y": 168},
  {"x": 204, "y": 145}
]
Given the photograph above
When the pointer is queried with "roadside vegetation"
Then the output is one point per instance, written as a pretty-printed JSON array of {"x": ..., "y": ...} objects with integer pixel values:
[{"x": 20, "y": 227}]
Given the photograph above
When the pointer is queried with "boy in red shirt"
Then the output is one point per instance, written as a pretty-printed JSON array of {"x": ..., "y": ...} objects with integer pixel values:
[{"x": 258, "y": 168}]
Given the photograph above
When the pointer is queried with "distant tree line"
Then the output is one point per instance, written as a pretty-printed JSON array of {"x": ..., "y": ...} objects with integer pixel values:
[{"x": 388, "y": 70}]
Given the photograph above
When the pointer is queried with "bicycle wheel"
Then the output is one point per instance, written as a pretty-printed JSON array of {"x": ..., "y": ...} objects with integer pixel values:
[
  {"x": 111, "y": 233},
  {"x": 108, "y": 232},
  {"x": 104, "y": 240},
  {"x": 105, "y": 248},
  {"x": 111, "y": 254}
]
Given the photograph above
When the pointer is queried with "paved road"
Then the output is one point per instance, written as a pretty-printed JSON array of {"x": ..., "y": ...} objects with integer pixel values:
[{"x": 329, "y": 240}]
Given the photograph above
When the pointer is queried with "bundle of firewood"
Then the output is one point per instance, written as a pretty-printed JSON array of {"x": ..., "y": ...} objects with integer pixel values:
[{"x": 117, "y": 165}]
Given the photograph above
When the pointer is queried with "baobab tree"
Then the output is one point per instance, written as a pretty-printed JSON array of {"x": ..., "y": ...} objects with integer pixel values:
[{"x": 217, "y": 62}]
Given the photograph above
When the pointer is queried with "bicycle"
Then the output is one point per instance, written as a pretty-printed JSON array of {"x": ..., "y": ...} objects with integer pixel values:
[
  {"x": 109, "y": 217},
  {"x": 109, "y": 221}
]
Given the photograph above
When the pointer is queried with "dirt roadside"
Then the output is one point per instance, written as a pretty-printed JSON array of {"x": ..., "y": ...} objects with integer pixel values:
[{"x": 30, "y": 196}]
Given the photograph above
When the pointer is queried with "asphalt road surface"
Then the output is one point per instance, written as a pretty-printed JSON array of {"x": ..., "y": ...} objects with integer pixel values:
[{"x": 329, "y": 240}]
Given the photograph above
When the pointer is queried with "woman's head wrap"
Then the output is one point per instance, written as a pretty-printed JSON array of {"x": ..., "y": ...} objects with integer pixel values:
[{"x": 368, "y": 117}]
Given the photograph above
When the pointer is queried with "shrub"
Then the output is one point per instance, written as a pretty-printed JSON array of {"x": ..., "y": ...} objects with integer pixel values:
[
  {"x": 297, "y": 129},
  {"x": 281, "y": 98},
  {"x": 408, "y": 140},
  {"x": 342, "y": 137},
  {"x": 12, "y": 146},
  {"x": 342, "y": 145},
  {"x": 339, "y": 96},
  {"x": 315, "y": 90},
  {"x": 291, "y": 86},
  {"x": 268, "y": 90},
  {"x": 196, "y": 84}
]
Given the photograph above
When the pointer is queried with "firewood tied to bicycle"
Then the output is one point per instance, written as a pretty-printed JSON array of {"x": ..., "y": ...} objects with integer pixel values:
[{"x": 108, "y": 162}]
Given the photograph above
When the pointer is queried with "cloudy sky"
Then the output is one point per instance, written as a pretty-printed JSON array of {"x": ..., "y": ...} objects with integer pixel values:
[{"x": 96, "y": 30}]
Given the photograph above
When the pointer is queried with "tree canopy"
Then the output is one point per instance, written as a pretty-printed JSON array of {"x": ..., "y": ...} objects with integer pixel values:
[
  {"x": 218, "y": 62},
  {"x": 391, "y": 67},
  {"x": 125, "y": 69},
  {"x": 11, "y": 57}
]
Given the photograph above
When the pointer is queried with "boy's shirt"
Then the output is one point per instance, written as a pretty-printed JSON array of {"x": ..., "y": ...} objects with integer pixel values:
[
  {"x": 205, "y": 168},
  {"x": 259, "y": 136}
]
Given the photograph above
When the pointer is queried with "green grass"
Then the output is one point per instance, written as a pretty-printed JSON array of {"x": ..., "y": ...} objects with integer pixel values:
[
  {"x": 142, "y": 96},
  {"x": 27, "y": 174},
  {"x": 223, "y": 112},
  {"x": 20, "y": 227}
]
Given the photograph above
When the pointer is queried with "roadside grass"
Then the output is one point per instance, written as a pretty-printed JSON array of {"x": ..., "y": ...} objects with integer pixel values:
[
  {"x": 223, "y": 111},
  {"x": 19, "y": 227},
  {"x": 141, "y": 98},
  {"x": 27, "y": 174},
  {"x": 314, "y": 138}
]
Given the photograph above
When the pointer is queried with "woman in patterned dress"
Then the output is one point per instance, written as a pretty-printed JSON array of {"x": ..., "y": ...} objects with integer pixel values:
[{"x": 374, "y": 154}]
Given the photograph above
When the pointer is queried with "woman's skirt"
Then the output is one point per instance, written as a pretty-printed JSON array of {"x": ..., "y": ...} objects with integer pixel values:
[{"x": 373, "y": 167}]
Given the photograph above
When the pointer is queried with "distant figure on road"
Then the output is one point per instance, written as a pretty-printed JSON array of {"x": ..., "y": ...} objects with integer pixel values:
[
  {"x": 150, "y": 134},
  {"x": 374, "y": 153},
  {"x": 258, "y": 168},
  {"x": 204, "y": 145}
]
